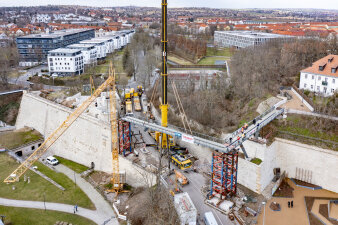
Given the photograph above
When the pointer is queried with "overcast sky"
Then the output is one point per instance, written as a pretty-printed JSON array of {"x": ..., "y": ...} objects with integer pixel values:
[{"x": 326, "y": 4}]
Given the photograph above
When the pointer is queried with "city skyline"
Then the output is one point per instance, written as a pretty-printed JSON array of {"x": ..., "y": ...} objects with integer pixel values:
[{"x": 311, "y": 4}]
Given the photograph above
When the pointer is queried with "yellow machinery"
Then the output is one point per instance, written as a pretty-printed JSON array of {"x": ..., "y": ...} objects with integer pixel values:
[
  {"x": 132, "y": 90},
  {"x": 181, "y": 161},
  {"x": 137, "y": 103},
  {"x": 161, "y": 137},
  {"x": 140, "y": 90},
  {"x": 115, "y": 180},
  {"x": 127, "y": 95},
  {"x": 110, "y": 82},
  {"x": 181, "y": 178},
  {"x": 129, "y": 107}
]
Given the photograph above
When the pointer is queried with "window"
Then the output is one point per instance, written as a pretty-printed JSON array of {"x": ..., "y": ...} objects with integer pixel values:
[
  {"x": 325, "y": 79},
  {"x": 319, "y": 77},
  {"x": 304, "y": 85},
  {"x": 318, "y": 88},
  {"x": 333, "y": 70},
  {"x": 332, "y": 90},
  {"x": 311, "y": 86},
  {"x": 305, "y": 76},
  {"x": 313, "y": 77},
  {"x": 333, "y": 81}
]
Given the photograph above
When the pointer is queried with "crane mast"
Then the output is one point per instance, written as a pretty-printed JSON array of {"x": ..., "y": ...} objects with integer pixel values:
[
  {"x": 115, "y": 180},
  {"x": 164, "y": 75}
]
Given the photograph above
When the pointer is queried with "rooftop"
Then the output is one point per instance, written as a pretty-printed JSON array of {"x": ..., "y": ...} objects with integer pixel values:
[
  {"x": 65, "y": 50},
  {"x": 327, "y": 63},
  {"x": 254, "y": 34},
  {"x": 55, "y": 34},
  {"x": 80, "y": 46}
]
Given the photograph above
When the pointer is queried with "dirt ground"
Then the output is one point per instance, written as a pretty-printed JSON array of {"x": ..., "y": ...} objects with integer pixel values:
[
  {"x": 292, "y": 216},
  {"x": 284, "y": 190},
  {"x": 295, "y": 103}
]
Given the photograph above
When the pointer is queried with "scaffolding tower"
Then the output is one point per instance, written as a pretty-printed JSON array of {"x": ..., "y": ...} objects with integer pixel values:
[
  {"x": 224, "y": 168},
  {"x": 125, "y": 138}
]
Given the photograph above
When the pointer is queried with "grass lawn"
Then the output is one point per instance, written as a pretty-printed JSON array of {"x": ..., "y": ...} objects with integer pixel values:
[
  {"x": 219, "y": 52},
  {"x": 20, "y": 216},
  {"x": 78, "y": 168},
  {"x": 179, "y": 60},
  {"x": 14, "y": 139},
  {"x": 211, "y": 60},
  {"x": 38, "y": 187},
  {"x": 256, "y": 161}
]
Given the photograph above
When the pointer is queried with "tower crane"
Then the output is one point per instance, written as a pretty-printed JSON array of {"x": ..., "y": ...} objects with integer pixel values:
[{"x": 109, "y": 83}]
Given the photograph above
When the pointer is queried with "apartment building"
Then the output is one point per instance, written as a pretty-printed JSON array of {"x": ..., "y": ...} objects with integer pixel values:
[
  {"x": 109, "y": 43},
  {"x": 33, "y": 49},
  {"x": 243, "y": 39},
  {"x": 65, "y": 62},
  {"x": 89, "y": 52},
  {"x": 321, "y": 77},
  {"x": 100, "y": 46}
]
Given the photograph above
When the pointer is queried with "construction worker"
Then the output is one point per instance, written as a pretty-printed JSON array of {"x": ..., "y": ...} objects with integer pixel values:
[{"x": 246, "y": 126}]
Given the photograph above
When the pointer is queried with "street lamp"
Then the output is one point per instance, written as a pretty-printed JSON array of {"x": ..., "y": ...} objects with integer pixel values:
[{"x": 264, "y": 203}]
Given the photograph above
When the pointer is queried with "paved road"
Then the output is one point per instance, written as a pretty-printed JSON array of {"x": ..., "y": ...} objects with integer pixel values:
[
  {"x": 89, "y": 214},
  {"x": 22, "y": 80}
]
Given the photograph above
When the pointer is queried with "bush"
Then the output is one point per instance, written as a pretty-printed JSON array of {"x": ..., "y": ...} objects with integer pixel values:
[{"x": 306, "y": 92}]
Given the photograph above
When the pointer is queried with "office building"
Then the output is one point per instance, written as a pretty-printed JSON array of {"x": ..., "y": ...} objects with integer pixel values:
[{"x": 243, "y": 39}]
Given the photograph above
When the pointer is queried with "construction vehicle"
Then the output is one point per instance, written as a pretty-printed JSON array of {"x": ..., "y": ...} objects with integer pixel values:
[
  {"x": 127, "y": 94},
  {"x": 181, "y": 161},
  {"x": 110, "y": 84},
  {"x": 132, "y": 90},
  {"x": 137, "y": 103},
  {"x": 129, "y": 107},
  {"x": 140, "y": 90},
  {"x": 181, "y": 178}
]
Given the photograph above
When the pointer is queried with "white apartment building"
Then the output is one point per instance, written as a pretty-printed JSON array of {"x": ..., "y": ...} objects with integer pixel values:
[
  {"x": 109, "y": 43},
  {"x": 100, "y": 47},
  {"x": 243, "y": 39},
  {"x": 89, "y": 52},
  {"x": 65, "y": 62},
  {"x": 321, "y": 77}
]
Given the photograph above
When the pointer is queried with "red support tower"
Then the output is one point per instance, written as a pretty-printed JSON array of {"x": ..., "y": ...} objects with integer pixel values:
[
  {"x": 124, "y": 138},
  {"x": 224, "y": 174}
]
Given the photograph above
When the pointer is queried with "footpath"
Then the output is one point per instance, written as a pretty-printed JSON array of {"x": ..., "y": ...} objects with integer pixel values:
[{"x": 103, "y": 215}]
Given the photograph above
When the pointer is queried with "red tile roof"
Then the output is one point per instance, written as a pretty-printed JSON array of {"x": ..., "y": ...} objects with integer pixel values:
[{"x": 329, "y": 62}]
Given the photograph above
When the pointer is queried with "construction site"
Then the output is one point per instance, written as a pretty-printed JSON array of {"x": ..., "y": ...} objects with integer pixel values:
[{"x": 135, "y": 159}]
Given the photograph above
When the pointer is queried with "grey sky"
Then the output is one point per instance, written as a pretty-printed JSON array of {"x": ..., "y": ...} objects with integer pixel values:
[{"x": 326, "y": 4}]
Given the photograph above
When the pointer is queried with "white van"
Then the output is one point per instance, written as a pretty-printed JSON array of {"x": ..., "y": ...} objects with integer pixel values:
[{"x": 52, "y": 160}]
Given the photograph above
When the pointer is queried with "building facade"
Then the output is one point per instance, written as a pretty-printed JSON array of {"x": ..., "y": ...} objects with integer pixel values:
[
  {"x": 89, "y": 52},
  {"x": 100, "y": 46},
  {"x": 243, "y": 39},
  {"x": 321, "y": 77},
  {"x": 65, "y": 62},
  {"x": 33, "y": 49}
]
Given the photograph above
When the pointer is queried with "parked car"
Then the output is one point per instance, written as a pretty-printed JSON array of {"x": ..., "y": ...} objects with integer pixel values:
[{"x": 52, "y": 160}]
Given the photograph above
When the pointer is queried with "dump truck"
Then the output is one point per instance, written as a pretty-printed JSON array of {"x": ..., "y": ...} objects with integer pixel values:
[
  {"x": 137, "y": 104},
  {"x": 129, "y": 107}
]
